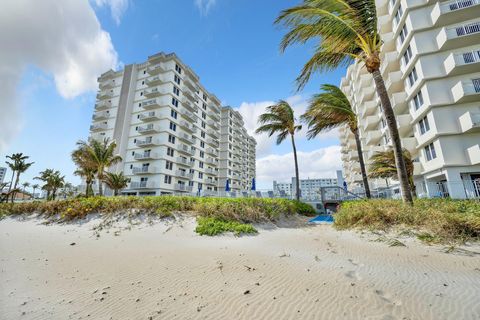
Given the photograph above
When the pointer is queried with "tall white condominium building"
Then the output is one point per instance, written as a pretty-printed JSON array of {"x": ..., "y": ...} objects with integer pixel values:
[
  {"x": 3, "y": 173},
  {"x": 167, "y": 129},
  {"x": 309, "y": 188},
  {"x": 431, "y": 67}
]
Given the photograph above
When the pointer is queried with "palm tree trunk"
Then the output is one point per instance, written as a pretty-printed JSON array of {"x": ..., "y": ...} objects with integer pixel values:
[
  {"x": 100, "y": 187},
  {"x": 15, "y": 186},
  {"x": 394, "y": 135},
  {"x": 11, "y": 184},
  {"x": 297, "y": 187},
  {"x": 362, "y": 164}
]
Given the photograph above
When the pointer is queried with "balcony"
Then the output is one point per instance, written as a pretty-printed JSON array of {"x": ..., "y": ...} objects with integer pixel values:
[
  {"x": 417, "y": 168},
  {"x": 373, "y": 137},
  {"x": 211, "y": 151},
  {"x": 189, "y": 105},
  {"x": 474, "y": 154},
  {"x": 462, "y": 63},
  {"x": 145, "y": 155},
  {"x": 150, "y": 104},
  {"x": 444, "y": 13},
  {"x": 213, "y": 142},
  {"x": 410, "y": 144},
  {"x": 183, "y": 148},
  {"x": 189, "y": 94},
  {"x": 367, "y": 94},
  {"x": 155, "y": 69},
  {"x": 211, "y": 161},
  {"x": 214, "y": 107},
  {"x": 155, "y": 80},
  {"x": 210, "y": 181},
  {"x": 144, "y": 170},
  {"x": 185, "y": 137},
  {"x": 394, "y": 81},
  {"x": 371, "y": 122},
  {"x": 148, "y": 116},
  {"x": 109, "y": 84},
  {"x": 103, "y": 105},
  {"x": 152, "y": 92},
  {"x": 399, "y": 102},
  {"x": 182, "y": 187},
  {"x": 372, "y": 151},
  {"x": 147, "y": 142},
  {"x": 213, "y": 124},
  {"x": 470, "y": 122},
  {"x": 104, "y": 94},
  {"x": 189, "y": 84},
  {"x": 150, "y": 128},
  {"x": 184, "y": 174},
  {"x": 101, "y": 115},
  {"x": 213, "y": 133},
  {"x": 188, "y": 126},
  {"x": 142, "y": 185},
  {"x": 98, "y": 127},
  {"x": 184, "y": 161},
  {"x": 210, "y": 171},
  {"x": 389, "y": 62},
  {"x": 461, "y": 36},
  {"x": 368, "y": 108},
  {"x": 466, "y": 91},
  {"x": 215, "y": 116},
  {"x": 189, "y": 115}
]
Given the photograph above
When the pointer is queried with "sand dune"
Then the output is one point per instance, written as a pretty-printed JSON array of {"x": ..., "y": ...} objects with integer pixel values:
[{"x": 166, "y": 271}]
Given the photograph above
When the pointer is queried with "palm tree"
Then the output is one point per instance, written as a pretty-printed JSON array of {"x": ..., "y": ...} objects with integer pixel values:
[
  {"x": 53, "y": 181},
  {"x": 86, "y": 168},
  {"x": 347, "y": 30},
  {"x": 34, "y": 187},
  {"x": 25, "y": 185},
  {"x": 18, "y": 166},
  {"x": 115, "y": 181},
  {"x": 279, "y": 119},
  {"x": 331, "y": 109},
  {"x": 383, "y": 166},
  {"x": 101, "y": 153}
]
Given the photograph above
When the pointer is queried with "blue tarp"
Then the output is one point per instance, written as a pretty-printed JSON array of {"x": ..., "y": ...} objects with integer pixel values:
[{"x": 323, "y": 218}]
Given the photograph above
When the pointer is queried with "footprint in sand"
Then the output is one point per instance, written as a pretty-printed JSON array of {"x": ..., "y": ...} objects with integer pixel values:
[{"x": 352, "y": 274}]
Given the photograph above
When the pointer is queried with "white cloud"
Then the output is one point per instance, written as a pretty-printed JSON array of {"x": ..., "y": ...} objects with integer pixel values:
[
  {"x": 62, "y": 38},
  {"x": 320, "y": 163},
  {"x": 204, "y": 6},
  {"x": 117, "y": 8}
]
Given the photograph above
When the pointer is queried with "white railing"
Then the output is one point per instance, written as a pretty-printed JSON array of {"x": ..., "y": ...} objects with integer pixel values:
[
  {"x": 146, "y": 169},
  {"x": 467, "y": 29},
  {"x": 142, "y": 184},
  {"x": 459, "y": 4},
  {"x": 145, "y": 155},
  {"x": 184, "y": 174}
]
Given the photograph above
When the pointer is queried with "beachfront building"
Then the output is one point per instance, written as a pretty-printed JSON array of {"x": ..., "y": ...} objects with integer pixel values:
[
  {"x": 309, "y": 188},
  {"x": 167, "y": 127},
  {"x": 3, "y": 173},
  {"x": 431, "y": 67}
]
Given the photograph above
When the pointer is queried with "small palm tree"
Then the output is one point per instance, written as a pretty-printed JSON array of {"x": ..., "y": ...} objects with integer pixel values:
[
  {"x": 101, "y": 153},
  {"x": 34, "y": 187},
  {"x": 18, "y": 166},
  {"x": 25, "y": 185},
  {"x": 86, "y": 168},
  {"x": 348, "y": 32},
  {"x": 280, "y": 119},
  {"x": 115, "y": 181},
  {"x": 53, "y": 181},
  {"x": 383, "y": 166},
  {"x": 331, "y": 109}
]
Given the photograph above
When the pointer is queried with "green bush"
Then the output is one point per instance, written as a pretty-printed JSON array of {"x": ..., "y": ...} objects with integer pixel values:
[
  {"x": 214, "y": 226},
  {"x": 228, "y": 209},
  {"x": 441, "y": 219}
]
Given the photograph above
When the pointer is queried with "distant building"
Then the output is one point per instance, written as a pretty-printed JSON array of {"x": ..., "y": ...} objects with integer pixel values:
[
  {"x": 3, "y": 173},
  {"x": 309, "y": 188}
]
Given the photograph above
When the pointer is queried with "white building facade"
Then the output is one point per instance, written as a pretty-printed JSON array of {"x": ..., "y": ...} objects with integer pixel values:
[
  {"x": 431, "y": 67},
  {"x": 167, "y": 127},
  {"x": 309, "y": 188},
  {"x": 3, "y": 173}
]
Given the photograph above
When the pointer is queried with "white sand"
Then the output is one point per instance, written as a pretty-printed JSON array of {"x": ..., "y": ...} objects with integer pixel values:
[{"x": 168, "y": 272}]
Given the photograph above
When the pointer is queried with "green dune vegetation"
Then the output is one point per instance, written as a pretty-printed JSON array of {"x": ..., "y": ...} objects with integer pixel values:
[
  {"x": 221, "y": 214},
  {"x": 430, "y": 220}
]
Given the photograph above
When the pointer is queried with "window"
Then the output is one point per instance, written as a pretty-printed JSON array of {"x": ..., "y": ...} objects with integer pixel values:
[
  {"x": 141, "y": 93},
  {"x": 204, "y": 115},
  {"x": 403, "y": 34},
  {"x": 190, "y": 183},
  {"x": 418, "y": 100},
  {"x": 204, "y": 125},
  {"x": 176, "y": 90},
  {"x": 200, "y": 164},
  {"x": 173, "y": 126},
  {"x": 143, "y": 82},
  {"x": 407, "y": 55},
  {"x": 176, "y": 79},
  {"x": 169, "y": 165},
  {"x": 171, "y": 139},
  {"x": 200, "y": 175},
  {"x": 430, "y": 152},
  {"x": 202, "y": 154},
  {"x": 202, "y": 144},
  {"x": 398, "y": 15},
  {"x": 168, "y": 179},
  {"x": 175, "y": 102},
  {"x": 170, "y": 152},
  {"x": 412, "y": 77},
  {"x": 204, "y": 97},
  {"x": 178, "y": 69},
  {"x": 202, "y": 134},
  {"x": 423, "y": 125},
  {"x": 173, "y": 113},
  {"x": 200, "y": 186},
  {"x": 204, "y": 106}
]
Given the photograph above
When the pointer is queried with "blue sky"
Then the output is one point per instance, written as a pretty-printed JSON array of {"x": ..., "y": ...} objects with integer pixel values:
[{"x": 232, "y": 46}]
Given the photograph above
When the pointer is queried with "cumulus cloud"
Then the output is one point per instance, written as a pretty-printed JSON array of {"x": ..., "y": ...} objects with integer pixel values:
[
  {"x": 320, "y": 163},
  {"x": 204, "y": 6},
  {"x": 117, "y": 8},
  {"x": 62, "y": 38}
]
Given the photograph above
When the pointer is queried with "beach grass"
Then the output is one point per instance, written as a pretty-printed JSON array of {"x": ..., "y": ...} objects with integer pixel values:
[
  {"x": 245, "y": 210},
  {"x": 430, "y": 220},
  {"x": 213, "y": 226}
]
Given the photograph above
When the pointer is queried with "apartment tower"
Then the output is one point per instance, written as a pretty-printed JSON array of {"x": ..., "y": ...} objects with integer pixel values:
[
  {"x": 431, "y": 67},
  {"x": 167, "y": 127}
]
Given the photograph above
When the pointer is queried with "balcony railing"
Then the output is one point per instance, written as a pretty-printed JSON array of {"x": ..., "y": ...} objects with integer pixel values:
[
  {"x": 104, "y": 95},
  {"x": 184, "y": 174},
  {"x": 185, "y": 137},
  {"x": 470, "y": 57},
  {"x": 148, "y": 128},
  {"x": 189, "y": 105},
  {"x": 184, "y": 161},
  {"x": 187, "y": 126},
  {"x": 185, "y": 149},
  {"x": 213, "y": 124},
  {"x": 145, "y": 155},
  {"x": 459, "y": 4},
  {"x": 189, "y": 115},
  {"x": 144, "y": 170},
  {"x": 213, "y": 142},
  {"x": 102, "y": 105},
  {"x": 151, "y": 93},
  {"x": 211, "y": 151},
  {"x": 142, "y": 185},
  {"x": 210, "y": 171},
  {"x": 466, "y": 29},
  {"x": 101, "y": 115},
  {"x": 147, "y": 116},
  {"x": 147, "y": 142},
  {"x": 150, "y": 104},
  {"x": 210, "y": 161},
  {"x": 183, "y": 187},
  {"x": 98, "y": 127},
  {"x": 155, "y": 69}
]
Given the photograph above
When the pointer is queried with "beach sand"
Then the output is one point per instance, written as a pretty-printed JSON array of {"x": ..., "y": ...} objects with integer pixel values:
[{"x": 166, "y": 271}]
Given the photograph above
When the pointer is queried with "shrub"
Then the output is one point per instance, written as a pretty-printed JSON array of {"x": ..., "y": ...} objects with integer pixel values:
[
  {"x": 214, "y": 226},
  {"x": 437, "y": 220}
]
